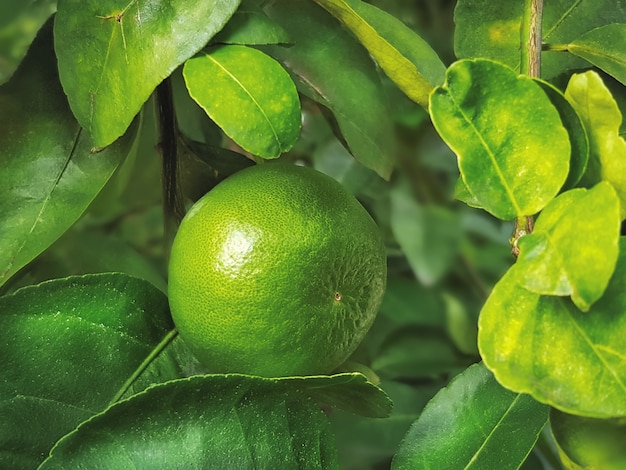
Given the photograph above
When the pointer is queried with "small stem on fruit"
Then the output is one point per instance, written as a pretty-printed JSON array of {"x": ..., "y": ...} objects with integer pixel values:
[{"x": 169, "y": 337}]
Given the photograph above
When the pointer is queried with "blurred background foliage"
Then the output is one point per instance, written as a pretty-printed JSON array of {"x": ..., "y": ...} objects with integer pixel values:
[{"x": 443, "y": 256}]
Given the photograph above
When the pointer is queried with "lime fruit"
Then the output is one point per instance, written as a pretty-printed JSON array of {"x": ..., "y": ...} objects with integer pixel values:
[{"x": 277, "y": 271}]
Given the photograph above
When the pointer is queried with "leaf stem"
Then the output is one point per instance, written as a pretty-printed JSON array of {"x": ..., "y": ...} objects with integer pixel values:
[
  {"x": 169, "y": 337},
  {"x": 531, "y": 66},
  {"x": 555, "y": 47},
  {"x": 531, "y": 37}
]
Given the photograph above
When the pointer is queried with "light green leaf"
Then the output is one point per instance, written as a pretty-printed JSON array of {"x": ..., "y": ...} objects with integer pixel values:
[
  {"x": 49, "y": 173},
  {"x": 113, "y": 53},
  {"x": 404, "y": 56},
  {"x": 68, "y": 346},
  {"x": 547, "y": 347},
  {"x": 251, "y": 97},
  {"x": 604, "y": 47},
  {"x": 574, "y": 246},
  {"x": 512, "y": 148},
  {"x": 428, "y": 235},
  {"x": 211, "y": 421},
  {"x": 602, "y": 118},
  {"x": 353, "y": 91},
  {"x": 474, "y": 423},
  {"x": 590, "y": 442},
  {"x": 251, "y": 26}
]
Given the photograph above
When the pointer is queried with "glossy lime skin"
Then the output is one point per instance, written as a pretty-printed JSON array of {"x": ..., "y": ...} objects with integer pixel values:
[{"x": 277, "y": 271}]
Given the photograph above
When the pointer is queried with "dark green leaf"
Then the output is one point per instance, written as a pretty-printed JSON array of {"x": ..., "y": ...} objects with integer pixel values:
[
  {"x": 251, "y": 97},
  {"x": 68, "y": 347},
  {"x": 404, "y": 56},
  {"x": 604, "y": 47},
  {"x": 251, "y": 26},
  {"x": 113, "y": 53},
  {"x": 512, "y": 148},
  {"x": 545, "y": 346},
  {"x": 204, "y": 422},
  {"x": 602, "y": 119},
  {"x": 590, "y": 442},
  {"x": 473, "y": 423},
  {"x": 574, "y": 245},
  {"x": 50, "y": 175},
  {"x": 330, "y": 67}
]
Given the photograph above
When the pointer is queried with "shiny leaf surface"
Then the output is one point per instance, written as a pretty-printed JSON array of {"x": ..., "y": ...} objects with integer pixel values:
[
  {"x": 574, "y": 245},
  {"x": 229, "y": 421},
  {"x": 68, "y": 346},
  {"x": 470, "y": 424},
  {"x": 513, "y": 151},
  {"x": 49, "y": 173},
  {"x": 250, "y": 96},
  {"x": 547, "y": 347},
  {"x": 112, "y": 54}
]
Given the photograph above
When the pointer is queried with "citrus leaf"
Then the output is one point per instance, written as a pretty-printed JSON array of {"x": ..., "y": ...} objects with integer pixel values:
[
  {"x": 250, "y": 96},
  {"x": 428, "y": 235},
  {"x": 404, "y": 56},
  {"x": 602, "y": 118},
  {"x": 251, "y": 26},
  {"x": 575, "y": 130},
  {"x": 547, "y": 347},
  {"x": 590, "y": 442},
  {"x": 605, "y": 48},
  {"x": 67, "y": 348},
  {"x": 113, "y": 53},
  {"x": 574, "y": 245},
  {"x": 353, "y": 92},
  {"x": 469, "y": 424},
  {"x": 512, "y": 148},
  {"x": 348, "y": 391},
  {"x": 228, "y": 421},
  {"x": 50, "y": 176},
  {"x": 492, "y": 29}
]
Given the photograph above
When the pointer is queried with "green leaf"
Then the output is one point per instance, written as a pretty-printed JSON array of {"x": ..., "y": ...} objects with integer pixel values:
[
  {"x": 492, "y": 29},
  {"x": 547, "y": 347},
  {"x": 512, "y": 148},
  {"x": 113, "y": 53},
  {"x": 590, "y": 442},
  {"x": 251, "y": 26},
  {"x": 574, "y": 246},
  {"x": 473, "y": 423},
  {"x": 404, "y": 56},
  {"x": 353, "y": 91},
  {"x": 68, "y": 346},
  {"x": 575, "y": 130},
  {"x": 214, "y": 421},
  {"x": 602, "y": 119},
  {"x": 604, "y": 47},
  {"x": 51, "y": 173},
  {"x": 251, "y": 97},
  {"x": 428, "y": 235}
]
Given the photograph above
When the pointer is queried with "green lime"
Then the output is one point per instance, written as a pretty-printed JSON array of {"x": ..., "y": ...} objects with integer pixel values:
[{"x": 277, "y": 271}]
